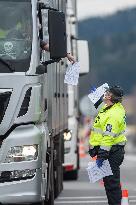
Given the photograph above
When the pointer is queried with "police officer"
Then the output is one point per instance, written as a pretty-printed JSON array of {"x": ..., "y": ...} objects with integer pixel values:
[{"x": 107, "y": 141}]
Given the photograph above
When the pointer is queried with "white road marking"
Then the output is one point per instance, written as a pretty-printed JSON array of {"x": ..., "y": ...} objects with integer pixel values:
[
  {"x": 86, "y": 197},
  {"x": 83, "y": 197},
  {"x": 130, "y": 157},
  {"x": 132, "y": 201},
  {"x": 79, "y": 202},
  {"x": 86, "y": 202}
]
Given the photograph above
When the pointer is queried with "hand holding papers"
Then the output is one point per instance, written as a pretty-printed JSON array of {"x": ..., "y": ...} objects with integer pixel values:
[
  {"x": 72, "y": 74},
  {"x": 96, "y": 173},
  {"x": 98, "y": 93}
]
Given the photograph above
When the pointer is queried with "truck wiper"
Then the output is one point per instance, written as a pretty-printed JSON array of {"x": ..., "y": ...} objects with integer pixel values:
[{"x": 7, "y": 64}]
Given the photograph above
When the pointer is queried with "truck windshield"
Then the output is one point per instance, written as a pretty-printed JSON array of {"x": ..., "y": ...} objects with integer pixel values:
[{"x": 15, "y": 34}]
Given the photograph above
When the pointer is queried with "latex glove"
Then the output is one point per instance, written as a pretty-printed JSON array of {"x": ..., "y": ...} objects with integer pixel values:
[
  {"x": 92, "y": 89},
  {"x": 92, "y": 152},
  {"x": 99, "y": 162}
]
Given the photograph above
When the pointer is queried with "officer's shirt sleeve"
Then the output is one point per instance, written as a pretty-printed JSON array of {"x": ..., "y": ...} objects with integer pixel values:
[{"x": 110, "y": 129}]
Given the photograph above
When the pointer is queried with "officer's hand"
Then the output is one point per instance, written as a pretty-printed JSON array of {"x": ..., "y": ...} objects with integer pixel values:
[
  {"x": 93, "y": 89},
  {"x": 99, "y": 162},
  {"x": 92, "y": 152},
  {"x": 71, "y": 58}
]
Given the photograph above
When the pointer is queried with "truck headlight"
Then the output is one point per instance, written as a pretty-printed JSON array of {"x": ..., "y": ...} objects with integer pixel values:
[
  {"x": 68, "y": 135},
  {"x": 22, "y": 153}
]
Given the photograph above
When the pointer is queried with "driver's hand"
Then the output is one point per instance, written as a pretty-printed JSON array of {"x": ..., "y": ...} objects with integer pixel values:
[{"x": 71, "y": 58}]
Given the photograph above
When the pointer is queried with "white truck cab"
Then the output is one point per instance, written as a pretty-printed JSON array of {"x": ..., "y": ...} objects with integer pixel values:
[{"x": 33, "y": 99}]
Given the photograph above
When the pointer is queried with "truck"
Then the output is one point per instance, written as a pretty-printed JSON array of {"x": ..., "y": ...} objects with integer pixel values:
[
  {"x": 33, "y": 99},
  {"x": 80, "y": 50}
]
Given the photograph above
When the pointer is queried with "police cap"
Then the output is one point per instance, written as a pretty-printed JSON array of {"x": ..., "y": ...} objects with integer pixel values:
[{"x": 117, "y": 92}]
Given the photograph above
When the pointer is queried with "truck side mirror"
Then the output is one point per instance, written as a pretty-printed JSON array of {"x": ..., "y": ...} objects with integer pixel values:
[
  {"x": 83, "y": 56},
  {"x": 57, "y": 34}
]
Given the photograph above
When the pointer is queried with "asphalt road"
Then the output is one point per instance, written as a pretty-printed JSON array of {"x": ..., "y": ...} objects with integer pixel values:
[{"x": 82, "y": 192}]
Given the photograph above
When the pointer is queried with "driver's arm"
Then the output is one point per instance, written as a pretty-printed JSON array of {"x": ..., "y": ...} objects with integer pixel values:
[{"x": 45, "y": 46}]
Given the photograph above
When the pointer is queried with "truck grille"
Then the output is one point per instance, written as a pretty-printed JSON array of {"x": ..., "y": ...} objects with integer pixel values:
[{"x": 4, "y": 101}]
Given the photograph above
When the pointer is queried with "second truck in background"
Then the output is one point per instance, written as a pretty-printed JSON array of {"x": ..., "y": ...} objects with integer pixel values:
[{"x": 80, "y": 50}]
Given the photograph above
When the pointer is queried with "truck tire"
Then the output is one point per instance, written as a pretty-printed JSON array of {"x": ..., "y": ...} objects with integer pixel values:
[
  {"x": 58, "y": 161},
  {"x": 51, "y": 187},
  {"x": 58, "y": 183},
  {"x": 51, "y": 191},
  {"x": 50, "y": 174}
]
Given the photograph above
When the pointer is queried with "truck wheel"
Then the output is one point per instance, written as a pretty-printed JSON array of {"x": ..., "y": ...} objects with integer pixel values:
[
  {"x": 58, "y": 182},
  {"x": 51, "y": 193},
  {"x": 51, "y": 188}
]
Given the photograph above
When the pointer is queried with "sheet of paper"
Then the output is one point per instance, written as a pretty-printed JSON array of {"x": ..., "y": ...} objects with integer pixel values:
[
  {"x": 98, "y": 93},
  {"x": 95, "y": 173},
  {"x": 72, "y": 74}
]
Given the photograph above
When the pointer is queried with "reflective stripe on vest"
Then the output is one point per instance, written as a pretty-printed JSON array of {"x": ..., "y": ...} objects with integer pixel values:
[
  {"x": 108, "y": 148},
  {"x": 98, "y": 130}
]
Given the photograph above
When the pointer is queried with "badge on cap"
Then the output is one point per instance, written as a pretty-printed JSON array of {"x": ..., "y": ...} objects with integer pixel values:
[{"x": 109, "y": 127}]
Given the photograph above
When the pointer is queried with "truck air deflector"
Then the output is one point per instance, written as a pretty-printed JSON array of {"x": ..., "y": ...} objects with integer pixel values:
[
  {"x": 4, "y": 101},
  {"x": 25, "y": 103}
]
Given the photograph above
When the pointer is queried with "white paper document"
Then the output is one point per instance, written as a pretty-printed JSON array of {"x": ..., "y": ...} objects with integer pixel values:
[
  {"x": 72, "y": 74},
  {"x": 98, "y": 93},
  {"x": 95, "y": 173}
]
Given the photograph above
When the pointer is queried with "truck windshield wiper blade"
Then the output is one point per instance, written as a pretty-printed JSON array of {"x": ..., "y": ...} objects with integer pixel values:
[{"x": 7, "y": 64}]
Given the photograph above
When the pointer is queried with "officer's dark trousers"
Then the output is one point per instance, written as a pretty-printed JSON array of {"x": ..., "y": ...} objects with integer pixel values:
[{"x": 112, "y": 183}]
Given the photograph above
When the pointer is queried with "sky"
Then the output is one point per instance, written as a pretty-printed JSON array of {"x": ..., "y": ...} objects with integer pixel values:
[{"x": 92, "y": 8}]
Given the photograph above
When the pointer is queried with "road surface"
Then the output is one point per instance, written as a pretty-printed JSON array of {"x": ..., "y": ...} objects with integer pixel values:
[{"x": 82, "y": 192}]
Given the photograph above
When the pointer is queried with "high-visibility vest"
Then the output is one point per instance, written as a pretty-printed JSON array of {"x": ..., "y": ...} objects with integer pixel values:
[{"x": 109, "y": 127}]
